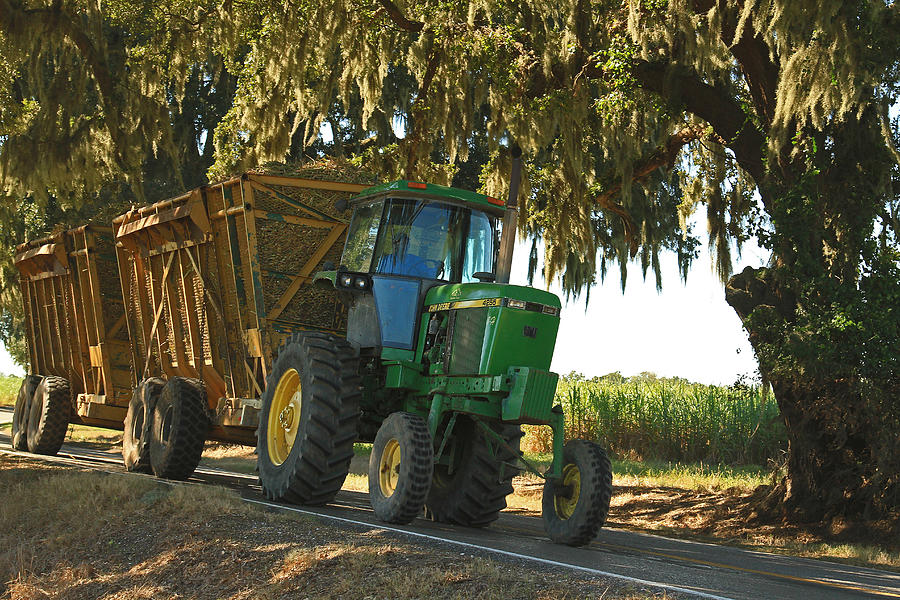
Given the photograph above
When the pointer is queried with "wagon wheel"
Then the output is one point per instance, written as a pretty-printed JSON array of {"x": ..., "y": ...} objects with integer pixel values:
[
  {"x": 20, "y": 413},
  {"x": 178, "y": 430},
  {"x": 308, "y": 420},
  {"x": 48, "y": 415},
  {"x": 136, "y": 438},
  {"x": 473, "y": 491},
  {"x": 575, "y": 506},
  {"x": 400, "y": 468}
]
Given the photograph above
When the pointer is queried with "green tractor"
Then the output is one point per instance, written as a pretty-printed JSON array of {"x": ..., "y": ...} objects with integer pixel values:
[{"x": 442, "y": 364}]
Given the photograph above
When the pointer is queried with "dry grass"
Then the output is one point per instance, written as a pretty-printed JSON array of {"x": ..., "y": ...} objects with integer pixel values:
[
  {"x": 78, "y": 535},
  {"x": 229, "y": 457},
  {"x": 701, "y": 502},
  {"x": 98, "y": 438}
]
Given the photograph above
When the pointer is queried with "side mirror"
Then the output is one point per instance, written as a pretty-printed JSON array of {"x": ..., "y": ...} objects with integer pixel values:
[
  {"x": 340, "y": 205},
  {"x": 328, "y": 266},
  {"x": 484, "y": 276}
]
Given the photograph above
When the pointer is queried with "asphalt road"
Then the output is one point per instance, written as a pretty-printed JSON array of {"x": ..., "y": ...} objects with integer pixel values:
[{"x": 649, "y": 561}]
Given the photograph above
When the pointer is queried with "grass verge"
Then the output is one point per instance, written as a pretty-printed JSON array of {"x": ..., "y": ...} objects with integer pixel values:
[
  {"x": 9, "y": 389},
  {"x": 76, "y": 534}
]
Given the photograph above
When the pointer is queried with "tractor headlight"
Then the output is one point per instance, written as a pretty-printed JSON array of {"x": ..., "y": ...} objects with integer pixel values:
[
  {"x": 520, "y": 304},
  {"x": 346, "y": 280},
  {"x": 361, "y": 282}
]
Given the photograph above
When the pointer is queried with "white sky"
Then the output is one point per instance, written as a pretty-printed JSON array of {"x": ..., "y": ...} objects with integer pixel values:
[
  {"x": 687, "y": 330},
  {"x": 7, "y": 366}
]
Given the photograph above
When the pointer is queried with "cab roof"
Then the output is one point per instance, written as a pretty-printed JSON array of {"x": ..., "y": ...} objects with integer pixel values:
[{"x": 433, "y": 190}]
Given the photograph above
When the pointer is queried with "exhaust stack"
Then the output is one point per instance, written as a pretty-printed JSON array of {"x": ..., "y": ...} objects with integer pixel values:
[{"x": 510, "y": 219}]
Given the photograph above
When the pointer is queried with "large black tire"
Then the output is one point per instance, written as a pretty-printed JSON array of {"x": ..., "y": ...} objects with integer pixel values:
[
  {"x": 305, "y": 447},
  {"x": 178, "y": 430},
  {"x": 400, "y": 468},
  {"x": 475, "y": 492},
  {"x": 138, "y": 421},
  {"x": 574, "y": 513},
  {"x": 20, "y": 413},
  {"x": 48, "y": 415}
]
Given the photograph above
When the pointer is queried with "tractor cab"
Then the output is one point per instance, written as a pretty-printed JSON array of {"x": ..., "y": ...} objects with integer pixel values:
[
  {"x": 404, "y": 239},
  {"x": 424, "y": 231}
]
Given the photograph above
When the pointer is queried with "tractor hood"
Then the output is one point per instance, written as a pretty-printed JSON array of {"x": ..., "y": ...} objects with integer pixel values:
[{"x": 492, "y": 327}]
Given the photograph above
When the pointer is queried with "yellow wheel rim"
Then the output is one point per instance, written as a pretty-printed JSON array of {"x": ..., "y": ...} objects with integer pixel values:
[
  {"x": 284, "y": 416},
  {"x": 565, "y": 505},
  {"x": 389, "y": 469}
]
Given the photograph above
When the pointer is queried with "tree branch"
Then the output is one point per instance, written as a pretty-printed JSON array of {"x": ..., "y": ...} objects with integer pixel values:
[
  {"x": 417, "y": 113},
  {"x": 56, "y": 18},
  {"x": 662, "y": 157},
  {"x": 752, "y": 55},
  {"x": 683, "y": 88},
  {"x": 399, "y": 19}
]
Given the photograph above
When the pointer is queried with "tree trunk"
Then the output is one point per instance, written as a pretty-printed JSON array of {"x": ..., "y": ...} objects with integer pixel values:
[{"x": 841, "y": 429}]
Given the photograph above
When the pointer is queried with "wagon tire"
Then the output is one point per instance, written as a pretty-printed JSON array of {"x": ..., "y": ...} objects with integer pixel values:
[
  {"x": 475, "y": 493},
  {"x": 138, "y": 421},
  {"x": 178, "y": 428},
  {"x": 20, "y": 413},
  {"x": 400, "y": 468},
  {"x": 308, "y": 419},
  {"x": 575, "y": 507},
  {"x": 48, "y": 415}
]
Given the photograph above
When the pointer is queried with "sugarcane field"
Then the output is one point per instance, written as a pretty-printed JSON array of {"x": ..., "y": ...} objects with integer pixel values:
[{"x": 449, "y": 300}]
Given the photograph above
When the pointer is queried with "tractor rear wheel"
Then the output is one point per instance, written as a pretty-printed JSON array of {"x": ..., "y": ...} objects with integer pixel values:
[
  {"x": 575, "y": 506},
  {"x": 400, "y": 468},
  {"x": 48, "y": 415},
  {"x": 178, "y": 430},
  {"x": 20, "y": 413},
  {"x": 307, "y": 425},
  {"x": 475, "y": 491},
  {"x": 136, "y": 437}
]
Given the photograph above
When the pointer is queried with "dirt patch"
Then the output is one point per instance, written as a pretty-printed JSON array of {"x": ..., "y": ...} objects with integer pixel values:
[
  {"x": 732, "y": 516},
  {"x": 72, "y": 534}
]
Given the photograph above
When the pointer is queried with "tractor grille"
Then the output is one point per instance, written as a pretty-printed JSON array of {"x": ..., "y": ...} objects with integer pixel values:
[{"x": 467, "y": 340}]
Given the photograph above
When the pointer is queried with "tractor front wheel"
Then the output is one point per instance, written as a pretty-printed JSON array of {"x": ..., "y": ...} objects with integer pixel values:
[
  {"x": 400, "y": 468},
  {"x": 20, "y": 413},
  {"x": 575, "y": 506},
  {"x": 307, "y": 425}
]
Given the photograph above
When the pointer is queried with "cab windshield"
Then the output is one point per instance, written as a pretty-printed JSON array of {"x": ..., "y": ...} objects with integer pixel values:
[{"x": 416, "y": 238}]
